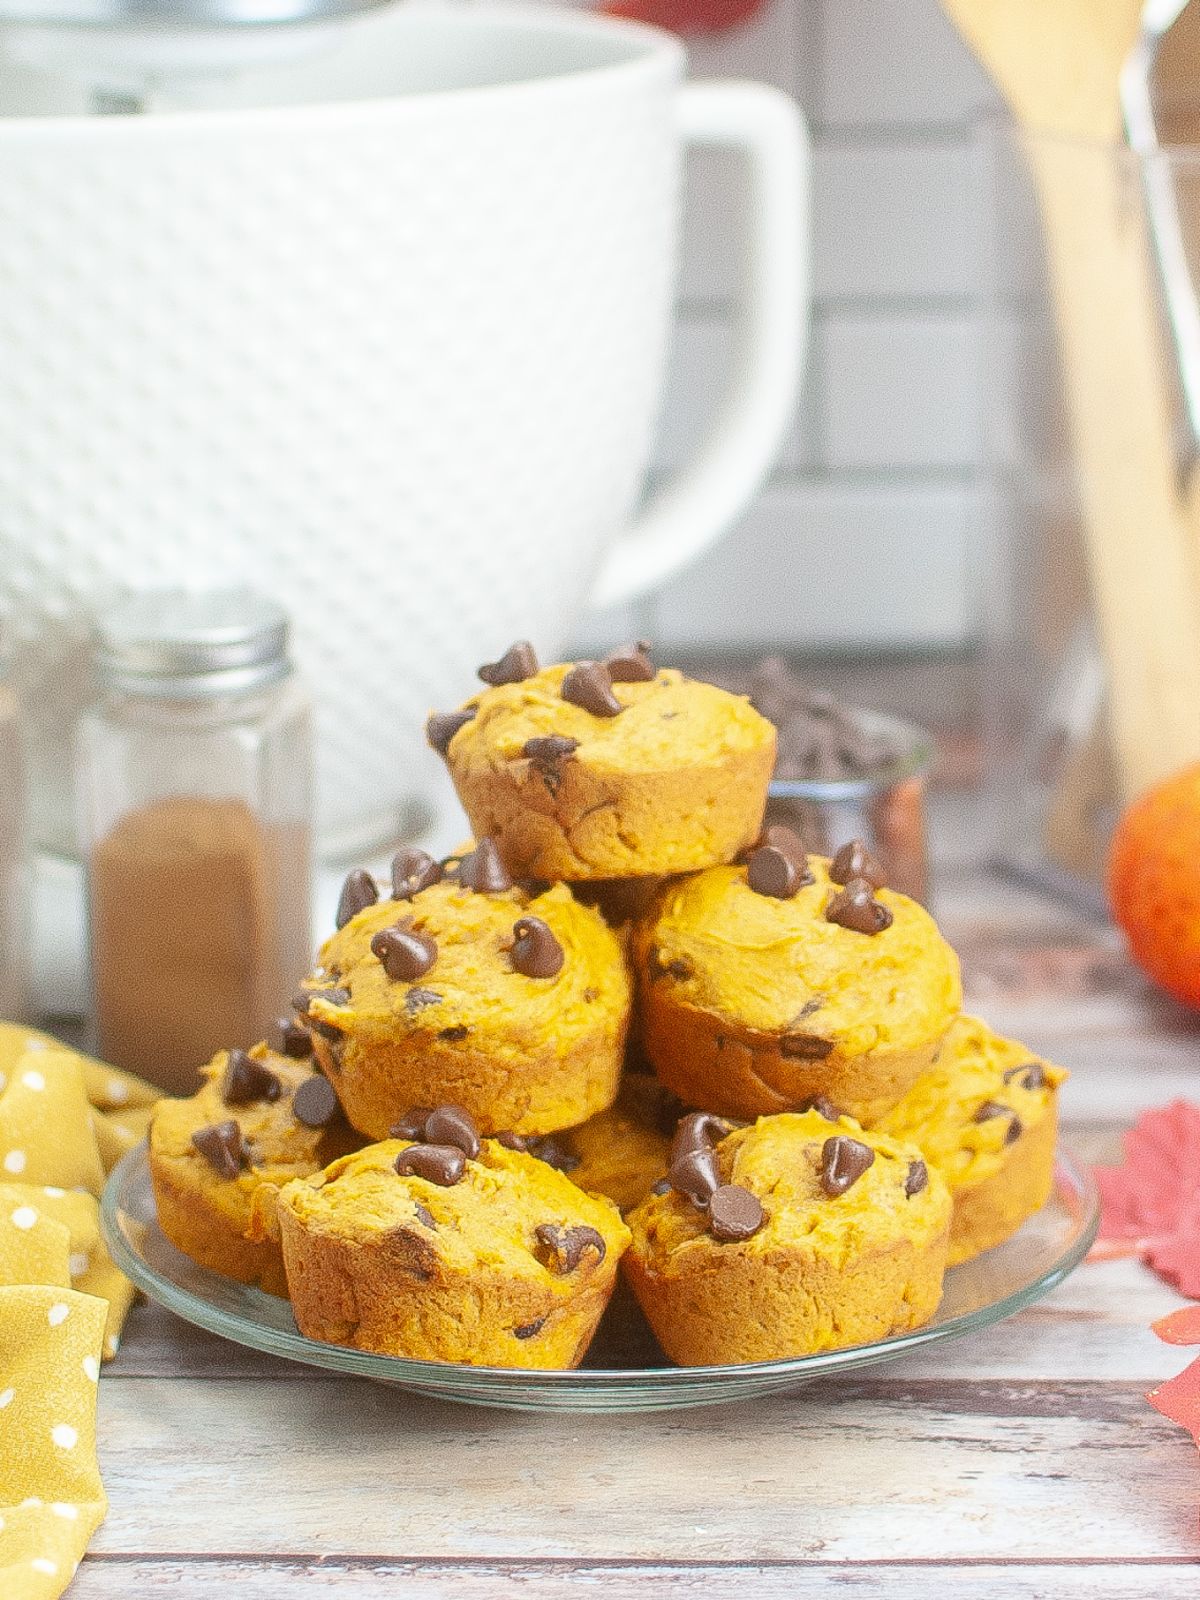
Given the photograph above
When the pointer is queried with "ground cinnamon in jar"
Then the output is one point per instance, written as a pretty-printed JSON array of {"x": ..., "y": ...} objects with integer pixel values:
[
  {"x": 195, "y": 790},
  {"x": 191, "y": 903}
]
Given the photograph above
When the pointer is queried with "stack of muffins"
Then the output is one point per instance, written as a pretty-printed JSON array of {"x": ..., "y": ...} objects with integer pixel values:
[{"x": 624, "y": 1027}]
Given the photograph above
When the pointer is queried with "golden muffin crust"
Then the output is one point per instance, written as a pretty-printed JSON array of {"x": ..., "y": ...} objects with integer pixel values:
[
  {"x": 751, "y": 1004},
  {"x": 522, "y": 1054},
  {"x": 675, "y": 781},
  {"x": 621, "y": 1152},
  {"x": 823, "y": 1270},
  {"x": 226, "y": 1223},
  {"x": 986, "y": 1116},
  {"x": 405, "y": 1266}
]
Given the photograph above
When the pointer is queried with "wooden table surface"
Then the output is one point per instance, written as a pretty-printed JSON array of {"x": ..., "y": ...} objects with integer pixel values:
[{"x": 1020, "y": 1462}]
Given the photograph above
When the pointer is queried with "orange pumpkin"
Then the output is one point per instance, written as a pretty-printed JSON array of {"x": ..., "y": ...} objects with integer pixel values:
[{"x": 1154, "y": 882}]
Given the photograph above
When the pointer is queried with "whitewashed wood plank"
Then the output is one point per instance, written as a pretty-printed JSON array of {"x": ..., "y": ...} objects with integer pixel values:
[
  {"x": 989, "y": 1472},
  {"x": 819, "y": 564},
  {"x": 898, "y": 391},
  {"x": 897, "y": 62},
  {"x": 101, "y": 1579}
]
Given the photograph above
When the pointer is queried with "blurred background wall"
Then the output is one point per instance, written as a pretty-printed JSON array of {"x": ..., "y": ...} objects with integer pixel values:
[{"x": 864, "y": 537}]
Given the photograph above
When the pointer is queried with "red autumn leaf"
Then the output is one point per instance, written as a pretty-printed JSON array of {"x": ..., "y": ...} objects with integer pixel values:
[
  {"x": 1179, "y": 1327},
  {"x": 1179, "y": 1399},
  {"x": 1150, "y": 1205},
  {"x": 689, "y": 17}
]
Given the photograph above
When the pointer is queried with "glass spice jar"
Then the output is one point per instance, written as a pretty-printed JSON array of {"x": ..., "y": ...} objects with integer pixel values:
[
  {"x": 14, "y": 866},
  {"x": 195, "y": 820}
]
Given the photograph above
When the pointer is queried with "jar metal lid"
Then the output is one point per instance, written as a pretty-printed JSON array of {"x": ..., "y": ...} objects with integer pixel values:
[{"x": 192, "y": 643}]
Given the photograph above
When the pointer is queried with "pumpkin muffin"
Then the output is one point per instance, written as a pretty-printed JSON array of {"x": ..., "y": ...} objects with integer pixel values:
[
  {"x": 620, "y": 1152},
  {"x": 986, "y": 1116},
  {"x": 258, "y": 1120},
  {"x": 792, "y": 1236},
  {"x": 764, "y": 984},
  {"x": 512, "y": 1003},
  {"x": 611, "y": 769},
  {"x": 452, "y": 1248}
]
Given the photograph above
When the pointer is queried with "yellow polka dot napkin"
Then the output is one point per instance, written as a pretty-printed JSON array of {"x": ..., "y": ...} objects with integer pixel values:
[{"x": 65, "y": 1120}]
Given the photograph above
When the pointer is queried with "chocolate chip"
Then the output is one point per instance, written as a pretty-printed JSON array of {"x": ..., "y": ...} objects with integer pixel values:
[
  {"x": 528, "y": 1329},
  {"x": 678, "y": 967},
  {"x": 358, "y": 892},
  {"x": 441, "y": 727},
  {"x": 247, "y": 1080},
  {"x": 418, "y": 999},
  {"x": 1030, "y": 1074},
  {"x": 548, "y": 1149},
  {"x": 694, "y": 1173},
  {"x": 452, "y": 1125},
  {"x": 550, "y": 749},
  {"x": 517, "y": 663},
  {"x": 222, "y": 1146},
  {"x": 779, "y": 837},
  {"x": 314, "y": 1103},
  {"x": 843, "y": 1162},
  {"x": 458, "y": 1030},
  {"x": 511, "y": 1141},
  {"x": 404, "y": 953},
  {"x": 483, "y": 869},
  {"x": 536, "y": 953},
  {"x": 993, "y": 1108},
  {"x": 303, "y": 998},
  {"x": 771, "y": 871},
  {"x": 412, "y": 871},
  {"x": 331, "y": 1034},
  {"x": 424, "y": 1215},
  {"x": 411, "y": 1125},
  {"x": 804, "y": 1047},
  {"x": 663, "y": 1186},
  {"x": 698, "y": 1130},
  {"x": 630, "y": 663},
  {"x": 917, "y": 1179},
  {"x": 563, "y": 1248},
  {"x": 822, "y": 1106},
  {"x": 734, "y": 1213},
  {"x": 292, "y": 1038},
  {"x": 443, "y": 1164},
  {"x": 857, "y": 909},
  {"x": 854, "y": 860},
  {"x": 588, "y": 685}
]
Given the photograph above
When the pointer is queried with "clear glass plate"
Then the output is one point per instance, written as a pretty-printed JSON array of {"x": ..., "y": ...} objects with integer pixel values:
[{"x": 624, "y": 1370}]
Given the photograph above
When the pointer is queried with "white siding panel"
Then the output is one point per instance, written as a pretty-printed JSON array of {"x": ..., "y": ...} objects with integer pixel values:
[
  {"x": 895, "y": 61},
  {"x": 899, "y": 392},
  {"x": 817, "y": 565}
]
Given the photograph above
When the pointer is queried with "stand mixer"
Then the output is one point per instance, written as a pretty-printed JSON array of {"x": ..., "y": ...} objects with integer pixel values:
[{"x": 122, "y": 51}]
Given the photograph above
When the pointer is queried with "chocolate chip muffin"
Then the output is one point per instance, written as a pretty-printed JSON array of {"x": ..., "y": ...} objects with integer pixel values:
[
  {"x": 260, "y": 1118},
  {"x": 449, "y": 1247},
  {"x": 512, "y": 1000},
  {"x": 796, "y": 1235},
  {"x": 986, "y": 1116},
  {"x": 766, "y": 983},
  {"x": 598, "y": 770},
  {"x": 620, "y": 1152}
]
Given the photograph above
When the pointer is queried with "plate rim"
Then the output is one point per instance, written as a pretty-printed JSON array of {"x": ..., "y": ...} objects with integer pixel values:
[{"x": 670, "y": 1384}]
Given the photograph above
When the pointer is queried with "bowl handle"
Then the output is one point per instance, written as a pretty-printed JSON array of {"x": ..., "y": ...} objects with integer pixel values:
[{"x": 700, "y": 502}]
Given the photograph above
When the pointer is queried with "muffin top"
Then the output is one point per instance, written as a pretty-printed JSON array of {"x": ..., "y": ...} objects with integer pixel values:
[
  {"x": 506, "y": 1212},
  {"x": 823, "y": 1188},
  {"x": 477, "y": 971},
  {"x": 622, "y": 1151},
  {"x": 258, "y": 1117},
  {"x": 662, "y": 723},
  {"x": 975, "y": 1102},
  {"x": 781, "y": 966}
]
